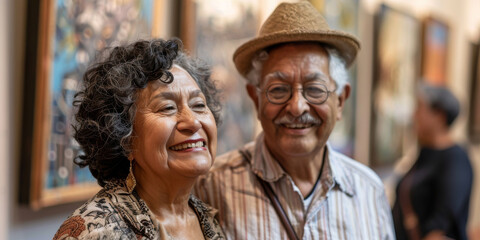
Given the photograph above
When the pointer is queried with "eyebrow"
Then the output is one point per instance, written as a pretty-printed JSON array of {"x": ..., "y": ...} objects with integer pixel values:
[
  {"x": 276, "y": 75},
  {"x": 196, "y": 93},
  {"x": 164, "y": 95},
  {"x": 172, "y": 95},
  {"x": 316, "y": 76}
]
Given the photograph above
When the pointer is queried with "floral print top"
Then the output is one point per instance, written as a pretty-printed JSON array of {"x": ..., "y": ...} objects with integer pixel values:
[{"x": 113, "y": 213}]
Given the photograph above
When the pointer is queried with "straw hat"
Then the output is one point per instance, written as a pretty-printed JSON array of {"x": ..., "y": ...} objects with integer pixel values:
[{"x": 295, "y": 22}]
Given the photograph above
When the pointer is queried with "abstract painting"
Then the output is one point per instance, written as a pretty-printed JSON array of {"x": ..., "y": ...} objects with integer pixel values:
[{"x": 64, "y": 38}]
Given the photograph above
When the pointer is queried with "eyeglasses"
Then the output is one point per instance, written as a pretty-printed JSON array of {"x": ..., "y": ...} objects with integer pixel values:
[{"x": 314, "y": 93}]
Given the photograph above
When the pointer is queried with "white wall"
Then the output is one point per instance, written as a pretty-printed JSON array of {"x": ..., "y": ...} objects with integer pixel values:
[{"x": 4, "y": 119}]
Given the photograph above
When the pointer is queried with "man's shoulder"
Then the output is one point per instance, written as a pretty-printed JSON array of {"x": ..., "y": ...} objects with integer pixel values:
[
  {"x": 227, "y": 160},
  {"x": 226, "y": 166},
  {"x": 351, "y": 167},
  {"x": 232, "y": 159}
]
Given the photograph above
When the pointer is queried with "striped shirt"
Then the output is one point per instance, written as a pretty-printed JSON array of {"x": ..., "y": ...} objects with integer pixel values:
[{"x": 349, "y": 202}]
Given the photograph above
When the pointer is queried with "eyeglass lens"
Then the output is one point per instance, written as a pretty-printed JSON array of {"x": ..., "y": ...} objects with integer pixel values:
[{"x": 315, "y": 93}]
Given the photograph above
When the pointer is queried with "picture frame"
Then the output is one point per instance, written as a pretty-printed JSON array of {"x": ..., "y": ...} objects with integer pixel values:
[
  {"x": 474, "y": 116},
  {"x": 435, "y": 39},
  {"x": 63, "y": 39},
  {"x": 396, "y": 59},
  {"x": 212, "y": 31}
]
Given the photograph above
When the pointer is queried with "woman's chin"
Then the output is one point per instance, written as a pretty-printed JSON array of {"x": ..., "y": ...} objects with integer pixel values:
[{"x": 194, "y": 170}]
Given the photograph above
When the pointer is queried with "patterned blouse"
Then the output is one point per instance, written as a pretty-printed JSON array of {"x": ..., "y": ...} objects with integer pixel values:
[{"x": 116, "y": 214}]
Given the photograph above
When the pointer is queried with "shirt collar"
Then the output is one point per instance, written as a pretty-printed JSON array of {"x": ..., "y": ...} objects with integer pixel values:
[
  {"x": 263, "y": 163},
  {"x": 338, "y": 174},
  {"x": 267, "y": 168}
]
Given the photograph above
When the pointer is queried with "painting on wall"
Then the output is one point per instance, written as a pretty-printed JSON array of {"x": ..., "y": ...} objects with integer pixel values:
[
  {"x": 396, "y": 57},
  {"x": 342, "y": 15},
  {"x": 212, "y": 30},
  {"x": 474, "y": 119},
  {"x": 434, "y": 51},
  {"x": 63, "y": 38}
]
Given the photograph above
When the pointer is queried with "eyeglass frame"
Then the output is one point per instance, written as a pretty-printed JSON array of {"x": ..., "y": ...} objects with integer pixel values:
[{"x": 291, "y": 93}]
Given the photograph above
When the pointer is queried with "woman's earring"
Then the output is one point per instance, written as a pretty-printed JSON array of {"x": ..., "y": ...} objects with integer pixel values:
[{"x": 130, "y": 181}]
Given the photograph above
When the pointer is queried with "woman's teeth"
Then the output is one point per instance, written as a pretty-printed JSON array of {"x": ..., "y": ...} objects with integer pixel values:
[{"x": 188, "y": 145}]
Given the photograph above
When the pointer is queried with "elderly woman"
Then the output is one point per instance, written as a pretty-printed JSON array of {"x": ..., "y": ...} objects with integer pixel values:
[{"x": 147, "y": 124}]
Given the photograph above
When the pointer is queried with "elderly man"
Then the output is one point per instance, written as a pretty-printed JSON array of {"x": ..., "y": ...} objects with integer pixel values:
[{"x": 288, "y": 183}]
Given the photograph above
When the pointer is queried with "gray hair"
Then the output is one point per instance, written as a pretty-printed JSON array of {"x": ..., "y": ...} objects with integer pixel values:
[
  {"x": 440, "y": 99},
  {"x": 337, "y": 68}
]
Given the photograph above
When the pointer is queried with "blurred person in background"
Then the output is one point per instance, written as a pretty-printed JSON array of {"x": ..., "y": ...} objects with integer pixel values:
[
  {"x": 433, "y": 197},
  {"x": 146, "y": 122},
  {"x": 289, "y": 183}
]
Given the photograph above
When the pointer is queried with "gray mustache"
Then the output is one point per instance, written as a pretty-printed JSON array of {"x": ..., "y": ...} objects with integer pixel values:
[{"x": 304, "y": 119}]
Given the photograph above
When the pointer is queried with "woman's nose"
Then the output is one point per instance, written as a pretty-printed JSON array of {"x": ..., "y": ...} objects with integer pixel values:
[{"x": 188, "y": 121}]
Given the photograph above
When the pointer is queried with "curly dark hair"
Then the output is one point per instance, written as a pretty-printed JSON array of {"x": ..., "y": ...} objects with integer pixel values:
[{"x": 106, "y": 105}]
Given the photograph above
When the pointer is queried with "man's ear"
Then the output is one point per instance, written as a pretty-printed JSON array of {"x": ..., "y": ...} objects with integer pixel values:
[
  {"x": 342, "y": 98},
  {"x": 252, "y": 92}
]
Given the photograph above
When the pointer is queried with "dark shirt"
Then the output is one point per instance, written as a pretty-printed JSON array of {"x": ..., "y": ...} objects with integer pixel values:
[{"x": 440, "y": 187}]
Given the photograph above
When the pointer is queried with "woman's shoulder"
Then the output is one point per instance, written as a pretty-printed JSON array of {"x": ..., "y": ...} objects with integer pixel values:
[
  {"x": 95, "y": 219},
  {"x": 79, "y": 227},
  {"x": 455, "y": 157}
]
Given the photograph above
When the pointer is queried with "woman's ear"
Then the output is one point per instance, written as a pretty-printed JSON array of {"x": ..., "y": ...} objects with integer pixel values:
[
  {"x": 342, "y": 98},
  {"x": 252, "y": 92}
]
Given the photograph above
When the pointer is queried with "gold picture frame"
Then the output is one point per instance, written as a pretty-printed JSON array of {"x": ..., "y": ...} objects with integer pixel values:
[{"x": 63, "y": 39}]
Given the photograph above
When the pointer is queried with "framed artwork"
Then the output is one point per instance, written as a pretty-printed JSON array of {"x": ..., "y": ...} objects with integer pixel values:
[
  {"x": 474, "y": 119},
  {"x": 212, "y": 30},
  {"x": 396, "y": 61},
  {"x": 343, "y": 15},
  {"x": 63, "y": 38},
  {"x": 434, "y": 51},
  {"x": 340, "y": 14}
]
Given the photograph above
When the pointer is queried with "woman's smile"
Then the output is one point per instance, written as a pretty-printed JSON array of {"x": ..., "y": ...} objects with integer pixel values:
[{"x": 191, "y": 145}]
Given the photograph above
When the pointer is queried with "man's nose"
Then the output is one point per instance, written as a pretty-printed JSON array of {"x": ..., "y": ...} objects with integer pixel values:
[{"x": 297, "y": 105}]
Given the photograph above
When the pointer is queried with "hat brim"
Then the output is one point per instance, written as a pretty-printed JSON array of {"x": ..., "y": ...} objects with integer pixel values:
[{"x": 346, "y": 44}]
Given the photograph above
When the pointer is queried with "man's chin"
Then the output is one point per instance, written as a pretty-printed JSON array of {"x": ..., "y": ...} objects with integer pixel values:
[{"x": 297, "y": 150}]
